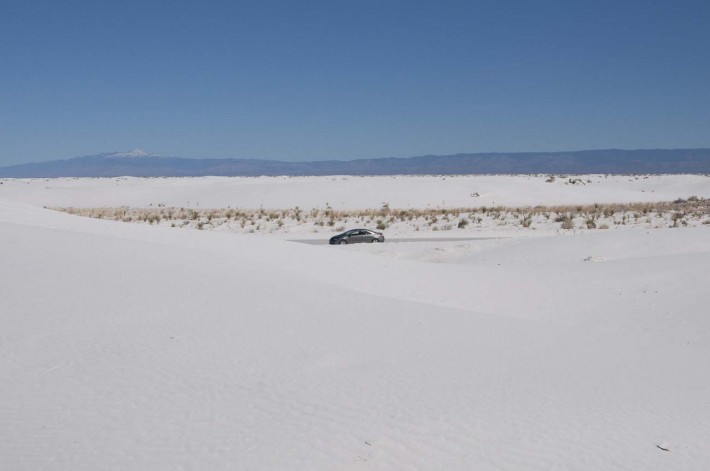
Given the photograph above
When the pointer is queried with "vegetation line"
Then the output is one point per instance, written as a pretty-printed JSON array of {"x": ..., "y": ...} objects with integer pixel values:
[{"x": 682, "y": 212}]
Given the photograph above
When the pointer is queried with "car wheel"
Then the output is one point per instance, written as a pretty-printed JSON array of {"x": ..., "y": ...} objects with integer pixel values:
[
  {"x": 343, "y": 242},
  {"x": 375, "y": 240}
]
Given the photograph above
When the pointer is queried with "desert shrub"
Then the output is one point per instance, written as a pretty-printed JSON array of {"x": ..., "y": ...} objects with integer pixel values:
[
  {"x": 677, "y": 217},
  {"x": 567, "y": 223},
  {"x": 463, "y": 223}
]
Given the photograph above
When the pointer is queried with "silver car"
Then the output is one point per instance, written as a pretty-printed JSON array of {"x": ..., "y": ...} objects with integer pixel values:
[{"x": 357, "y": 236}]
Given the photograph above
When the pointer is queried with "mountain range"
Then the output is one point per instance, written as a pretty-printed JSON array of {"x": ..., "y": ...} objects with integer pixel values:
[{"x": 139, "y": 163}]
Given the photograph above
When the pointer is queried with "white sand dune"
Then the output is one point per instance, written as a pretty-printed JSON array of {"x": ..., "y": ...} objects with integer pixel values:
[
  {"x": 148, "y": 348},
  {"x": 353, "y": 192}
]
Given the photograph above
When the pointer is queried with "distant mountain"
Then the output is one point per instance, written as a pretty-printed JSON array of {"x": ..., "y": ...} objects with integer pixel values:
[{"x": 139, "y": 163}]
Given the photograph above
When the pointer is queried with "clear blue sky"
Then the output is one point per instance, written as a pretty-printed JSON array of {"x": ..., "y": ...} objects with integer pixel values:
[{"x": 313, "y": 80}]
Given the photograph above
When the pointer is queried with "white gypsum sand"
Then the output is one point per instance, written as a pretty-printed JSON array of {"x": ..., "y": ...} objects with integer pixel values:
[
  {"x": 316, "y": 205},
  {"x": 141, "y": 347},
  {"x": 352, "y": 192}
]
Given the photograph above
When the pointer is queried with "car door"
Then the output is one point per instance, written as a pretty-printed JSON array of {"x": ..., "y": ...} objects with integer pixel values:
[
  {"x": 360, "y": 236},
  {"x": 351, "y": 237}
]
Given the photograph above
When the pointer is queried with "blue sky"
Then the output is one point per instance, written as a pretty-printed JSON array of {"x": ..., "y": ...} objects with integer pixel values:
[{"x": 314, "y": 80}]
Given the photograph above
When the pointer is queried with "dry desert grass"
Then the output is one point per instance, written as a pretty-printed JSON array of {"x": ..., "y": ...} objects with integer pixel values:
[{"x": 693, "y": 211}]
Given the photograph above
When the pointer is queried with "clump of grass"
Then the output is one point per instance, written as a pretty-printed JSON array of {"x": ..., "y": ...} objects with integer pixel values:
[{"x": 567, "y": 223}]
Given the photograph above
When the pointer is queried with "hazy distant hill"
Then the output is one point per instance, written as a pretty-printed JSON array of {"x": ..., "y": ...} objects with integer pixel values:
[{"x": 140, "y": 164}]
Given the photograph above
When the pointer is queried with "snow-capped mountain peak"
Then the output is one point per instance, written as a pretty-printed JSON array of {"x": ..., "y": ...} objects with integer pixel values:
[{"x": 135, "y": 153}]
